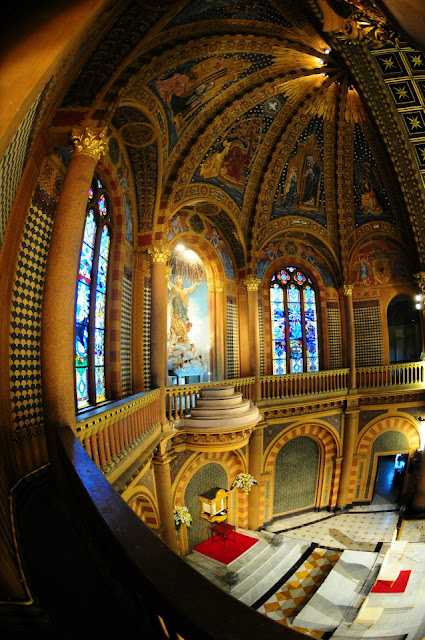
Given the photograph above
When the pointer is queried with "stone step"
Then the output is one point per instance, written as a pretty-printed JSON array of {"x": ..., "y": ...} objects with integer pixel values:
[
  {"x": 227, "y": 401},
  {"x": 222, "y": 422},
  {"x": 220, "y": 411},
  {"x": 217, "y": 392}
]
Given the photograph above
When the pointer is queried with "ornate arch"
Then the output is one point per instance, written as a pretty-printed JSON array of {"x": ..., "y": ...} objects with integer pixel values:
[
  {"x": 392, "y": 423},
  {"x": 143, "y": 504}
]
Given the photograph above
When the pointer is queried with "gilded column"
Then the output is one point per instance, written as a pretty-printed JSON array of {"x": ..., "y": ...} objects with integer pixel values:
[
  {"x": 351, "y": 338},
  {"x": 252, "y": 283},
  {"x": 255, "y": 453},
  {"x": 161, "y": 466},
  {"x": 351, "y": 423},
  {"x": 159, "y": 255},
  {"x": 219, "y": 329},
  {"x": 58, "y": 318}
]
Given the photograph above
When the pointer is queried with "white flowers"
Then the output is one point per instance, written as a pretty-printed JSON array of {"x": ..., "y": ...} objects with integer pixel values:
[
  {"x": 244, "y": 481},
  {"x": 181, "y": 516}
]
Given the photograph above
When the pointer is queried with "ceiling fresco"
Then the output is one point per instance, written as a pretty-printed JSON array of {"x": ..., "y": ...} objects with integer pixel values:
[{"x": 245, "y": 120}]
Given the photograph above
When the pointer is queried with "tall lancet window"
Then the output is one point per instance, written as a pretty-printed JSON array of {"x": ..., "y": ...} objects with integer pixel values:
[
  {"x": 91, "y": 299},
  {"x": 295, "y": 347}
]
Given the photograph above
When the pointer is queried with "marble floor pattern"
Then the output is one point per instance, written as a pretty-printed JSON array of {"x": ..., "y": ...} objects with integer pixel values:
[{"x": 363, "y": 528}]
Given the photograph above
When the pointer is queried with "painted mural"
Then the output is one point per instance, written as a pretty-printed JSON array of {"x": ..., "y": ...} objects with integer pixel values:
[
  {"x": 370, "y": 197},
  {"x": 379, "y": 262},
  {"x": 229, "y": 161},
  {"x": 279, "y": 247},
  {"x": 184, "y": 221},
  {"x": 187, "y": 88},
  {"x": 222, "y": 9},
  {"x": 301, "y": 187},
  {"x": 188, "y": 323}
]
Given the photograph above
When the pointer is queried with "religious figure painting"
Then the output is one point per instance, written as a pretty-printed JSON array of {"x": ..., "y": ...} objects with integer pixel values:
[
  {"x": 188, "y": 330},
  {"x": 379, "y": 262},
  {"x": 221, "y": 9},
  {"x": 300, "y": 189},
  {"x": 370, "y": 197},
  {"x": 187, "y": 88}
]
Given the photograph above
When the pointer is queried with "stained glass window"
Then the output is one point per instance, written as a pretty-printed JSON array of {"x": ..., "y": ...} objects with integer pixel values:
[
  {"x": 90, "y": 312},
  {"x": 295, "y": 345}
]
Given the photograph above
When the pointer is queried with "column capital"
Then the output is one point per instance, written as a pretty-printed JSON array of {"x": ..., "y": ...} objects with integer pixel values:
[
  {"x": 252, "y": 283},
  {"x": 159, "y": 253},
  {"x": 89, "y": 141},
  {"x": 347, "y": 289},
  {"x": 420, "y": 277}
]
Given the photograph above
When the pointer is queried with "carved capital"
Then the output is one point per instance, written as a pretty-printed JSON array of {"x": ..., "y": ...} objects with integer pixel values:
[
  {"x": 159, "y": 253},
  {"x": 347, "y": 289},
  {"x": 219, "y": 286},
  {"x": 420, "y": 277},
  {"x": 89, "y": 142},
  {"x": 252, "y": 283}
]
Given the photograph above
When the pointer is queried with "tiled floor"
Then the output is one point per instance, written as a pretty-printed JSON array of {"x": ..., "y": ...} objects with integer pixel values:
[{"x": 284, "y": 605}]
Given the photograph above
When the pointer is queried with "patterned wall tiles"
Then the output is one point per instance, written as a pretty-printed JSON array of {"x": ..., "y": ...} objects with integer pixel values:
[
  {"x": 177, "y": 463},
  {"x": 127, "y": 290},
  {"x": 291, "y": 464},
  {"x": 334, "y": 335},
  {"x": 13, "y": 162},
  {"x": 232, "y": 337},
  {"x": 147, "y": 296},
  {"x": 334, "y": 420},
  {"x": 271, "y": 431},
  {"x": 368, "y": 331},
  {"x": 367, "y": 416},
  {"x": 25, "y": 338},
  {"x": 147, "y": 481}
]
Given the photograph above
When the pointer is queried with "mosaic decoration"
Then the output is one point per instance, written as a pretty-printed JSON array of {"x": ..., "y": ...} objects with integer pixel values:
[
  {"x": 301, "y": 187},
  {"x": 403, "y": 70},
  {"x": 229, "y": 161},
  {"x": 227, "y": 228},
  {"x": 185, "y": 90},
  {"x": 379, "y": 262},
  {"x": 258, "y": 10},
  {"x": 261, "y": 334},
  {"x": 272, "y": 431},
  {"x": 14, "y": 160},
  {"x": 147, "y": 297},
  {"x": 25, "y": 337},
  {"x": 295, "y": 347},
  {"x": 370, "y": 197},
  {"x": 335, "y": 421},
  {"x": 290, "y": 464},
  {"x": 334, "y": 335},
  {"x": 232, "y": 342},
  {"x": 127, "y": 290},
  {"x": 368, "y": 331},
  {"x": 368, "y": 416},
  {"x": 177, "y": 463},
  {"x": 91, "y": 301},
  {"x": 144, "y": 165}
]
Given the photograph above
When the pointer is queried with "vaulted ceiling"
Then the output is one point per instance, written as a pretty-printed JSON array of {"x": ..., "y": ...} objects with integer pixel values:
[{"x": 256, "y": 119}]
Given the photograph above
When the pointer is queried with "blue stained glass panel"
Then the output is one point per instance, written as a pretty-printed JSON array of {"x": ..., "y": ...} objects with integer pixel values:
[
  {"x": 283, "y": 276},
  {"x": 312, "y": 342},
  {"x": 83, "y": 302},
  {"x": 82, "y": 387},
  {"x": 100, "y": 310},
  {"x": 99, "y": 384},
  {"x": 99, "y": 355},
  {"x": 90, "y": 229},
  {"x": 86, "y": 262},
  {"x": 279, "y": 367},
  {"x": 91, "y": 194},
  {"x": 81, "y": 345},
  {"x": 104, "y": 243},
  {"x": 300, "y": 277},
  {"x": 101, "y": 275}
]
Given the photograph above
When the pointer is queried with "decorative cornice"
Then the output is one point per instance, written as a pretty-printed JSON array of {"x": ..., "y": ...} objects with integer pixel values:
[{"x": 89, "y": 142}]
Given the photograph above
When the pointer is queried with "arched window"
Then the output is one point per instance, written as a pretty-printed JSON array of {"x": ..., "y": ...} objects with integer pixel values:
[
  {"x": 295, "y": 346},
  {"x": 91, "y": 299}
]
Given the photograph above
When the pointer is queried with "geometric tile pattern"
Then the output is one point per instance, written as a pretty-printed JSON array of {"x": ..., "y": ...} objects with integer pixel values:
[
  {"x": 232, "y": 338},
  {"x": 291, "y": 597},
  {"x": 127, "y": 287},
  {"x": 368, "y": 332},
  {"x": 13, "y": 162},
  {"x": 334, "y": 335},
  {"x": 261, "y": 332},
  {"x": 25, "y": 338},
  {"x": 147, "y": 296}
]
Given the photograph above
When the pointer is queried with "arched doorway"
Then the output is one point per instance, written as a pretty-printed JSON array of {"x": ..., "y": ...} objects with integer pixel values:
[
  {"x": 389, "y": 480},
  {"x": 404, "y": 332}
]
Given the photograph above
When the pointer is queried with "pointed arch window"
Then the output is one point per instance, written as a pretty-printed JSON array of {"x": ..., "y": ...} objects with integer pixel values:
[
  {"x": 90, "y": 313},
  {"x": 295, "y": 346}
]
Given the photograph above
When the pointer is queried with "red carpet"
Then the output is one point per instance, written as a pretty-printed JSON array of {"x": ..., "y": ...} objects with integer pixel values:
[
  {"x": 398, "y": 586},
  {"x": 226, "y": 552}
]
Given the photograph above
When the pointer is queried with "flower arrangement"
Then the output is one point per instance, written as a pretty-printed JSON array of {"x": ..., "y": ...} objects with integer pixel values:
[
  {"x": 244, "y": 481},
  {"x": 181, "y": 516}
]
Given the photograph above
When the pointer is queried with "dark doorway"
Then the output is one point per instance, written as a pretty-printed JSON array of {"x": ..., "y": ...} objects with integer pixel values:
[
  {"x": 389, "y": 478},
  {"x": 404, "y": 330}
]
